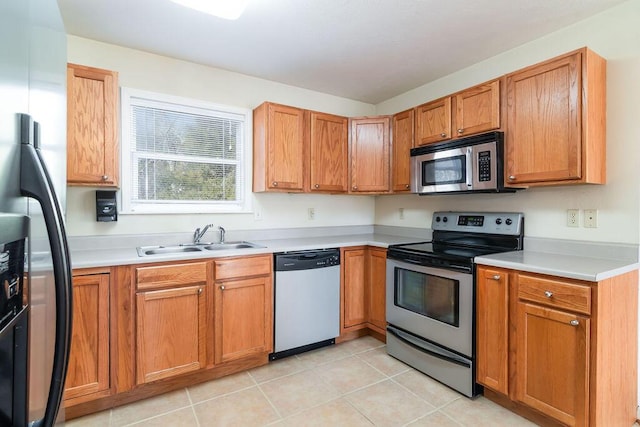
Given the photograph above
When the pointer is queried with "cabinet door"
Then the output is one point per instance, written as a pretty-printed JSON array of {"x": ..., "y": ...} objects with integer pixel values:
[
  {"x": 552, "y": 358},
  {"x": 369, "y": 155},
  {"x": 243, "y": 318},
  {"x": 433, "y": 121},
  {"x": 329, "y": 149},
  {"x": 544, "y": 117},
  {"x": 92, "y": 140},
  {"x": 478, "y": 109},
  {"x": 88, "y": 370},
  {"x": 402, "y": 144},
  {"x": 353, "y": 283},
  {"x": 377, "y": 271},
  {"x": 279, "y": 148},
  {"x": 492, "y": 329},
  {"x": 171, "y": 332}
]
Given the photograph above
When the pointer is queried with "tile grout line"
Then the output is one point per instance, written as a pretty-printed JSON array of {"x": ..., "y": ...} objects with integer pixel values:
[
  {"x": 270, "y": 403},
  {"x": 193, "y": 408}
]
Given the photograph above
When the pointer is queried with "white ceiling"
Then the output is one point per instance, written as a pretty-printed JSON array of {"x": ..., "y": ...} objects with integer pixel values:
[{"x": 367, "y": 50}]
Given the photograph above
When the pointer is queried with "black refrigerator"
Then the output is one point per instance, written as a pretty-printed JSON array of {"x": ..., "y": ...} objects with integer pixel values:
[{"x": 35, "y": 274}]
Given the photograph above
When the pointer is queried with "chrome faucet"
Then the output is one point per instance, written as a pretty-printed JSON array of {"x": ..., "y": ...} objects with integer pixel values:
[
  {"x": 222, "y": 231},
  {"x": 197, "y": 235}
]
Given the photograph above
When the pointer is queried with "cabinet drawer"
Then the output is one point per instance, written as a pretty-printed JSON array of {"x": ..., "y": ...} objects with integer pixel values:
[
  {"x": 555, "y": 293},
  {"x": 162, "y": 276},
  {"x": 231, "y": 268}
]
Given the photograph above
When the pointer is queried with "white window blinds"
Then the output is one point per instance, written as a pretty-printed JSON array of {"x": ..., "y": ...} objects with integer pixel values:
[{"x": 186, "y": 154}]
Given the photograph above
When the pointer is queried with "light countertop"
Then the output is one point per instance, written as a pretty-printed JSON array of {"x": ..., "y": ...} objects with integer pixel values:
[
  {"x": 86, "y": 258},
  {"x": 592, "y": 268}
]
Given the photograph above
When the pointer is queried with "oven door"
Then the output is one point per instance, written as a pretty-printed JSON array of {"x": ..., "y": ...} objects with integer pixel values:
[
  {"x": 442, "y": 171},
  {"x": 433, "y": 303}
]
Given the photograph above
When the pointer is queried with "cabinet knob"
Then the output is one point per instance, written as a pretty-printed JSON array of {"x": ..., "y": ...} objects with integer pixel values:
[
  {"x": 105, "y": 177},
  {"x": 496, "y": 277},
  {"x": 548, "y": 294},
  {"x": 355, "y": 187},
  {"x": 200, "y": 291},
  {"x": 317, "y": 186},
  {"x": 460, "y": 130},
  {"x": 512, "y": 177},
  {"x": 275, "y": 183},
  {"x": 222, "y": 287},
  {"x": 407, "y": 186},
  {"x": 574, "y": 323},
  {"x": 443, "y": 135}
]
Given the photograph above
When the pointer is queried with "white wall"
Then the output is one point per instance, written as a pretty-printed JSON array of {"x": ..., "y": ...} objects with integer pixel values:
[
  {"x": 156, "y": 73},
  {"x": 615, "y": 35}
]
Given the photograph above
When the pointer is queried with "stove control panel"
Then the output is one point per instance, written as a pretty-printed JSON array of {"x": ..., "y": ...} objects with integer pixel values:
[{"x": 509, "y": 223}]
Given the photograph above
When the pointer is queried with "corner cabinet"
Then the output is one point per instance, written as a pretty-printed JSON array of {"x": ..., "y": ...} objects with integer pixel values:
[
  {"x": 243, "y": 307},
  {"x": 402, "y": 143},
  {"x": 92, "y": 126},
  {"x": 328, "y": 153},
  {"x": 88, "y": 369},
  {"x": 279, "y": 148},
  {"x": 465, "y": 113},
  {"x": 171, "y": 325},
  {"x": 556, "y": 121},
  {"x": 363, "y": 293},
  {"x": 545, "y": 344},
  {"x": 369, "y": 155}
]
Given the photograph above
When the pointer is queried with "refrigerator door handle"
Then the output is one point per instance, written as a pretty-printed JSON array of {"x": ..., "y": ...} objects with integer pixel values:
[{"x": 35, "y": 182}]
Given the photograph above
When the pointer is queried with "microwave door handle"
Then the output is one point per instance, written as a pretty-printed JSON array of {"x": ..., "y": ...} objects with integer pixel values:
[{"x": 469, "y": 174}]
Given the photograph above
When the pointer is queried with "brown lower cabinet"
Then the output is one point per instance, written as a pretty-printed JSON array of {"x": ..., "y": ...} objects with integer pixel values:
[
  {"x": 363, "y": 289},
  {"x": 172, "y": 324},
  {"x": 559, "y": 350},
  {"x": 88, "y": 371}
]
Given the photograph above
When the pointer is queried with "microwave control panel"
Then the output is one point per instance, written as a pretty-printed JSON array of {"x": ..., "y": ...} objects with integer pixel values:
[{"x": 484, "y": 166}]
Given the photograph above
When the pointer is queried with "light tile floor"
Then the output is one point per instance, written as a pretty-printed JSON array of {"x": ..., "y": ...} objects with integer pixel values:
[{"x": 350, "y": 384}]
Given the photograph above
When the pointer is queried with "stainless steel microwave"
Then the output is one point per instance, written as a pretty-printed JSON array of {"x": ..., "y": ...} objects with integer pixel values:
[{"x": 473, "y": 164}]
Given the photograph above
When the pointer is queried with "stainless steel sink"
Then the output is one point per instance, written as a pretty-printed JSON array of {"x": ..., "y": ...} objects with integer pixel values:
[
  {"x": 231, "y": 245},
  {"x": 178, "y": 249}
]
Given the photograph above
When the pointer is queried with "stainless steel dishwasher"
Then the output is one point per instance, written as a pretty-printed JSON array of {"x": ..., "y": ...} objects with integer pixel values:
[{"x": 307, "y": 301}]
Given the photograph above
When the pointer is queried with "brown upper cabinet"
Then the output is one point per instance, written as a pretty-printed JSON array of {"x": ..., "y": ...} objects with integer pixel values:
[
  {"x": 328, "y": 148},
  {"x": 369, "y": 154},
  {"x": 402, "y": 128},
  {"x": 279, "y": 149},
  {"x": 92, "y": 126},
  {"x": 472, "y": 111},
  {"x": 556, "y": 121}
]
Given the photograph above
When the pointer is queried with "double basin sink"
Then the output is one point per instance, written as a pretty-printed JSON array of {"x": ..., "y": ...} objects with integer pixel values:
[{"x": 178, "y": 249}]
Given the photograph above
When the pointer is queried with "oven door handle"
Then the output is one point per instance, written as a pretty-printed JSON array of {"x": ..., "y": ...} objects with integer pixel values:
[{"x": 427, "y": 348}]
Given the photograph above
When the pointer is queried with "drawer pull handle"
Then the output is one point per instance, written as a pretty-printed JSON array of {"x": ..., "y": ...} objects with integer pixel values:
[
  {"x": 548, "y": 294},
  {"x": 574, "y": 323},
  {"x": 496, "y": 277},
  {"x": 222, "y": 288}
]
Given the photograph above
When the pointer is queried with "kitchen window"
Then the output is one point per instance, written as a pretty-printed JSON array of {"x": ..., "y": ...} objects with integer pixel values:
[{"x": 183, "y": 156}]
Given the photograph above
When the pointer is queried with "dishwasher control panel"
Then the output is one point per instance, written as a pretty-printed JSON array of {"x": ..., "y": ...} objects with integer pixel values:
[{"x": 307, "y": 260}]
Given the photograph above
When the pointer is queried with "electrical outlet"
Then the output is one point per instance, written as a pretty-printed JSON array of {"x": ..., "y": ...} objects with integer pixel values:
[
  {"x": 401, "y": 212},
  {"x": 591, "y": 218},
  {"x": 311, "y": 213},
  {"x": 573, "y": 217}
]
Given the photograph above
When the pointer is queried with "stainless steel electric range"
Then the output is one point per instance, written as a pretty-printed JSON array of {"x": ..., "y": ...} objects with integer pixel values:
[{"x": 431, "y": 293}]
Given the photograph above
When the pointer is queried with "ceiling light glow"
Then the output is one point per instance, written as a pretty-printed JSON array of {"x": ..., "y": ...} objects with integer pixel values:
[{"x": 227, "y": 9}]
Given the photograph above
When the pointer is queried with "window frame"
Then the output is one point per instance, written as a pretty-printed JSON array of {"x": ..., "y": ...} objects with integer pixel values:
[{"x": 128, "y": 206}]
